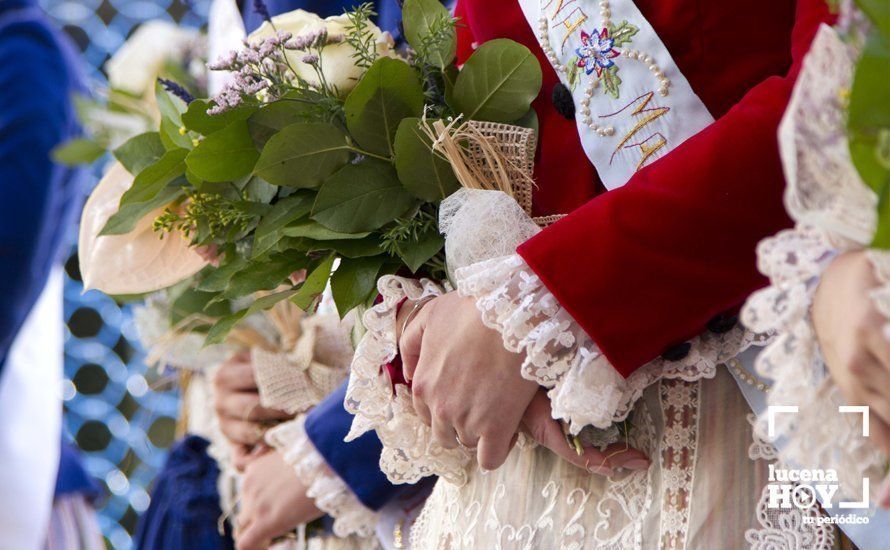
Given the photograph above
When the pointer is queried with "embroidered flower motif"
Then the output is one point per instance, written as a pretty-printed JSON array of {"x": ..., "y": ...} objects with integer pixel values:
[{"x": 596, "y": 52}]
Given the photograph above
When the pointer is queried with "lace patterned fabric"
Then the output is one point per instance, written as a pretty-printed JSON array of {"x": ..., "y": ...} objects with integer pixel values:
[
  {"x": 585, "y": 389},
  {"x": 330, "y": 493},
  {"x": 697, "y": 435},
  {"x": 835, "y": 212},
  {"x": 789, "y": 528}
]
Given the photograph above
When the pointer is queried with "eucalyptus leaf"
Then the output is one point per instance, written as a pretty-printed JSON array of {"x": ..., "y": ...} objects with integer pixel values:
[
  {"x": 389, "y": 92},
  {"x": 354, "y": 281},
  {"x": 303, "y": 155},
  {"x": 196, "y": 119},
  {"x": 259, "y": 190},
  {"x": 421, "y": 19},
  {"x": 498, "y": 82},
  {"x": 284, "y": 212},
  {"x": 418, "y": 253},
  {"x": 314, "y": 284},
  {"x": 219, "y": 278},
  {"x": 221, "y": 329},
  {"x": 196, "y": 302},
  {"x": 77, "y": 151},
  {"x": 314, "y": 230},
  {"x": 869, "y": 111},
  {"x": 225, "y": 155},
  {"x": 153, "y": 187},
  {"x": 172, "y": 136},
  {"x": 351, "y": 248},
  {"x": 425, "y": 174},
  {"x": 274, "y": 116},
  {"x": 361, "y": 197},
  {"x": 140, "y": 152},
  {"x": 265, "y": 275}
]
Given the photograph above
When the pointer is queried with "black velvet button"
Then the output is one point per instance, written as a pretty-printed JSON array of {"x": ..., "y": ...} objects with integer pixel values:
[
  {"x": 722, "y": 323},
  {"x": 675, "y": 353},
  {"x": 563, "y": 101}
]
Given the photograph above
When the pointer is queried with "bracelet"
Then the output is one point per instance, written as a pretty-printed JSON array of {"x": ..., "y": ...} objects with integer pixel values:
[{"x": 414, "y": 309}]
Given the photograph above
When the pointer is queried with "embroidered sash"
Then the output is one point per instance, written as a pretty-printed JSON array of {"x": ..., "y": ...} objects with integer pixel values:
[{"x": 633, "y": 105}]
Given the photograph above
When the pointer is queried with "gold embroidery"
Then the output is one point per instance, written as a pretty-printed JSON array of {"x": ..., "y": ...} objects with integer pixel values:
[
  {"x": 571, "y": 25},
  {"x": 650, "y": 145}
]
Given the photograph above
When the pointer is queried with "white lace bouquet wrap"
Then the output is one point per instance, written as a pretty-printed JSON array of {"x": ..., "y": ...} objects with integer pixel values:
[
  {"x": 483, "y": 229},
  {"x": 834, "y": 212}
]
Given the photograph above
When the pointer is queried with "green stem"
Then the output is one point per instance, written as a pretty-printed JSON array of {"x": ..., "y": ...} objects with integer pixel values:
[{"x": 369, "y": 154}]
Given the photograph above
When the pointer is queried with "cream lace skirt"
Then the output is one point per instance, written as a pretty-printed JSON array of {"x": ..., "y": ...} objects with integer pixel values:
[{"x": 701, "y": 491}]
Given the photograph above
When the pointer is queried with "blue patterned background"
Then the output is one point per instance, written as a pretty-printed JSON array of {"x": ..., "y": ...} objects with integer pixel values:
[{"x": 121, "y": 415}]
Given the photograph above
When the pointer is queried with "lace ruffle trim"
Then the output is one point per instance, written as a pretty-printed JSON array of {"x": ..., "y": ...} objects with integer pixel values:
[
  {"x": 409, "y": 452},
  {"x": 331, "y": 494},
  {"x": 835, "y": 212},
  {"x": 585, "y": 389}
]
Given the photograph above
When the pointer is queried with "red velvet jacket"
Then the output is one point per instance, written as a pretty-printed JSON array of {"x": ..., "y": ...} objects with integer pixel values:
[{"x": 648, "y": 265}]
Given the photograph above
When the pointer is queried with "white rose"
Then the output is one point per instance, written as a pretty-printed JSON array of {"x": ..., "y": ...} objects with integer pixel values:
[
  {"x": 136, "y": 65},
  {"x": 337, "y": 60},
  {"x": 137, "y": 262}
]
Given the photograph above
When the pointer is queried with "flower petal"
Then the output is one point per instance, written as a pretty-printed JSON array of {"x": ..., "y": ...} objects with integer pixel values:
[{"x": 135, "y": 263}]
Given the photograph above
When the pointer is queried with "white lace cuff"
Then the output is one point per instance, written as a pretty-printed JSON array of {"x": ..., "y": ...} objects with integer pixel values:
[
  {"x": 835, "y": 212},
  {"x": 585, "y": 389},
  {"x": 331, "y": 494},
  {"x": 409, "y": 452}
]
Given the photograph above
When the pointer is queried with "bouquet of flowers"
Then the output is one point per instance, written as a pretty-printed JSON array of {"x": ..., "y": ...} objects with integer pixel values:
[{"x": 322, "y": 161}]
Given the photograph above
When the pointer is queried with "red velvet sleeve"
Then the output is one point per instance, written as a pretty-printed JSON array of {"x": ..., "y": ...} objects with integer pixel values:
[{"x": 646, "y": 266}]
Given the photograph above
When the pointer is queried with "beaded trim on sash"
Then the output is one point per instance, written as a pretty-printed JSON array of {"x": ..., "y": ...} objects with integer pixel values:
[{"x": 635, "y": 104}]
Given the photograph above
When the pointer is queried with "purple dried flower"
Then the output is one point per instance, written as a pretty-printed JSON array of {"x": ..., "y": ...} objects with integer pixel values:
[
  {"x": 224, "y": 63},
  {"x": 177, "y": 90},
  {"x": 310, "y": 59}
]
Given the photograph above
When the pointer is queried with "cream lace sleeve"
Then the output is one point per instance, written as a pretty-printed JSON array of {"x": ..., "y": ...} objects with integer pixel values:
[
  {"x": 585, "y": 389},
  {"x": 331, "y": 494},
  {"x": 835, "y": 212}
]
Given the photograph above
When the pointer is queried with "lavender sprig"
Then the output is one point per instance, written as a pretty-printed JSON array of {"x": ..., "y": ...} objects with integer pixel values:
[
  {"x": 177, "y": 90},
  {"x": 260, "y": 7}
]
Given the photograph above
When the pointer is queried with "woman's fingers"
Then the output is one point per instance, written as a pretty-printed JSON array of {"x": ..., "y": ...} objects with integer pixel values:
[
  {"x": 246, "y": 406},
  {"x": 253, "y": 537},
  {"x": 235, "y": 376},
  {"x": 241, "y": 432},
  {"x": 444, "y": 434},
  {"x": 492, "y": 449}
]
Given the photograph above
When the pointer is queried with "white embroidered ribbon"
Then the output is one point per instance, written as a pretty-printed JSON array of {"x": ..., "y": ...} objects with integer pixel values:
[{"x": 633, "y": 103}]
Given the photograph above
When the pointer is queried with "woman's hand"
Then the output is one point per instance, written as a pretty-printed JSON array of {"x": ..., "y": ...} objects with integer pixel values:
[
  {"x": 273, "y": 503},
  {"x": 855, "y": 342},
  {"x": 237, "y": 401},
  {"x": 465, "y": 384},
  {"x": 469, "y": 388}
]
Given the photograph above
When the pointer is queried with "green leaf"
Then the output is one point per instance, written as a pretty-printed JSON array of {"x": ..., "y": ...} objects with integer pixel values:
[
  {"x": 530, "y": 121},
  {"x": 219, "y": 278},
  {"x": 221, "y": 329},
  {"x": 139, "y": 152},
  {"x": 420, "y": 19},
  {"x": 153, "y": 187},
  {"x": 196, "y": 119},
  {"x": 274, "y": 116},
  {"x": 881, "y": 239},
  {"x": 351, "y": 248},
  {"x": 314, "y": 284},
  {"x": 170, "y": 106},
  {"x": 316, "y": 231},
  {"x": 425, "y": 174},
  {"x": 263, "y": 275},
  {"x": 284, "y": 212},
  {"x": 389, "y": 92},
  {"x": 193, "y": 302},
  {"x": 354, "y": 281},
  {"x": 361, "y": 197},
  {"x": 303, "y": 155},
  {"x": 879, "y": 12},
  {"x": 623, "y": 33},
  {"x": 259, "y": 190},
  {"x": 869, "y": 111},
  {"x": 498, "y": 83},
  {"x": 172, "y": 136},
  {"x": 225, "y": 155},
  {"x": 77, "y": 151},
  {"x": 418, "y": 253}
]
